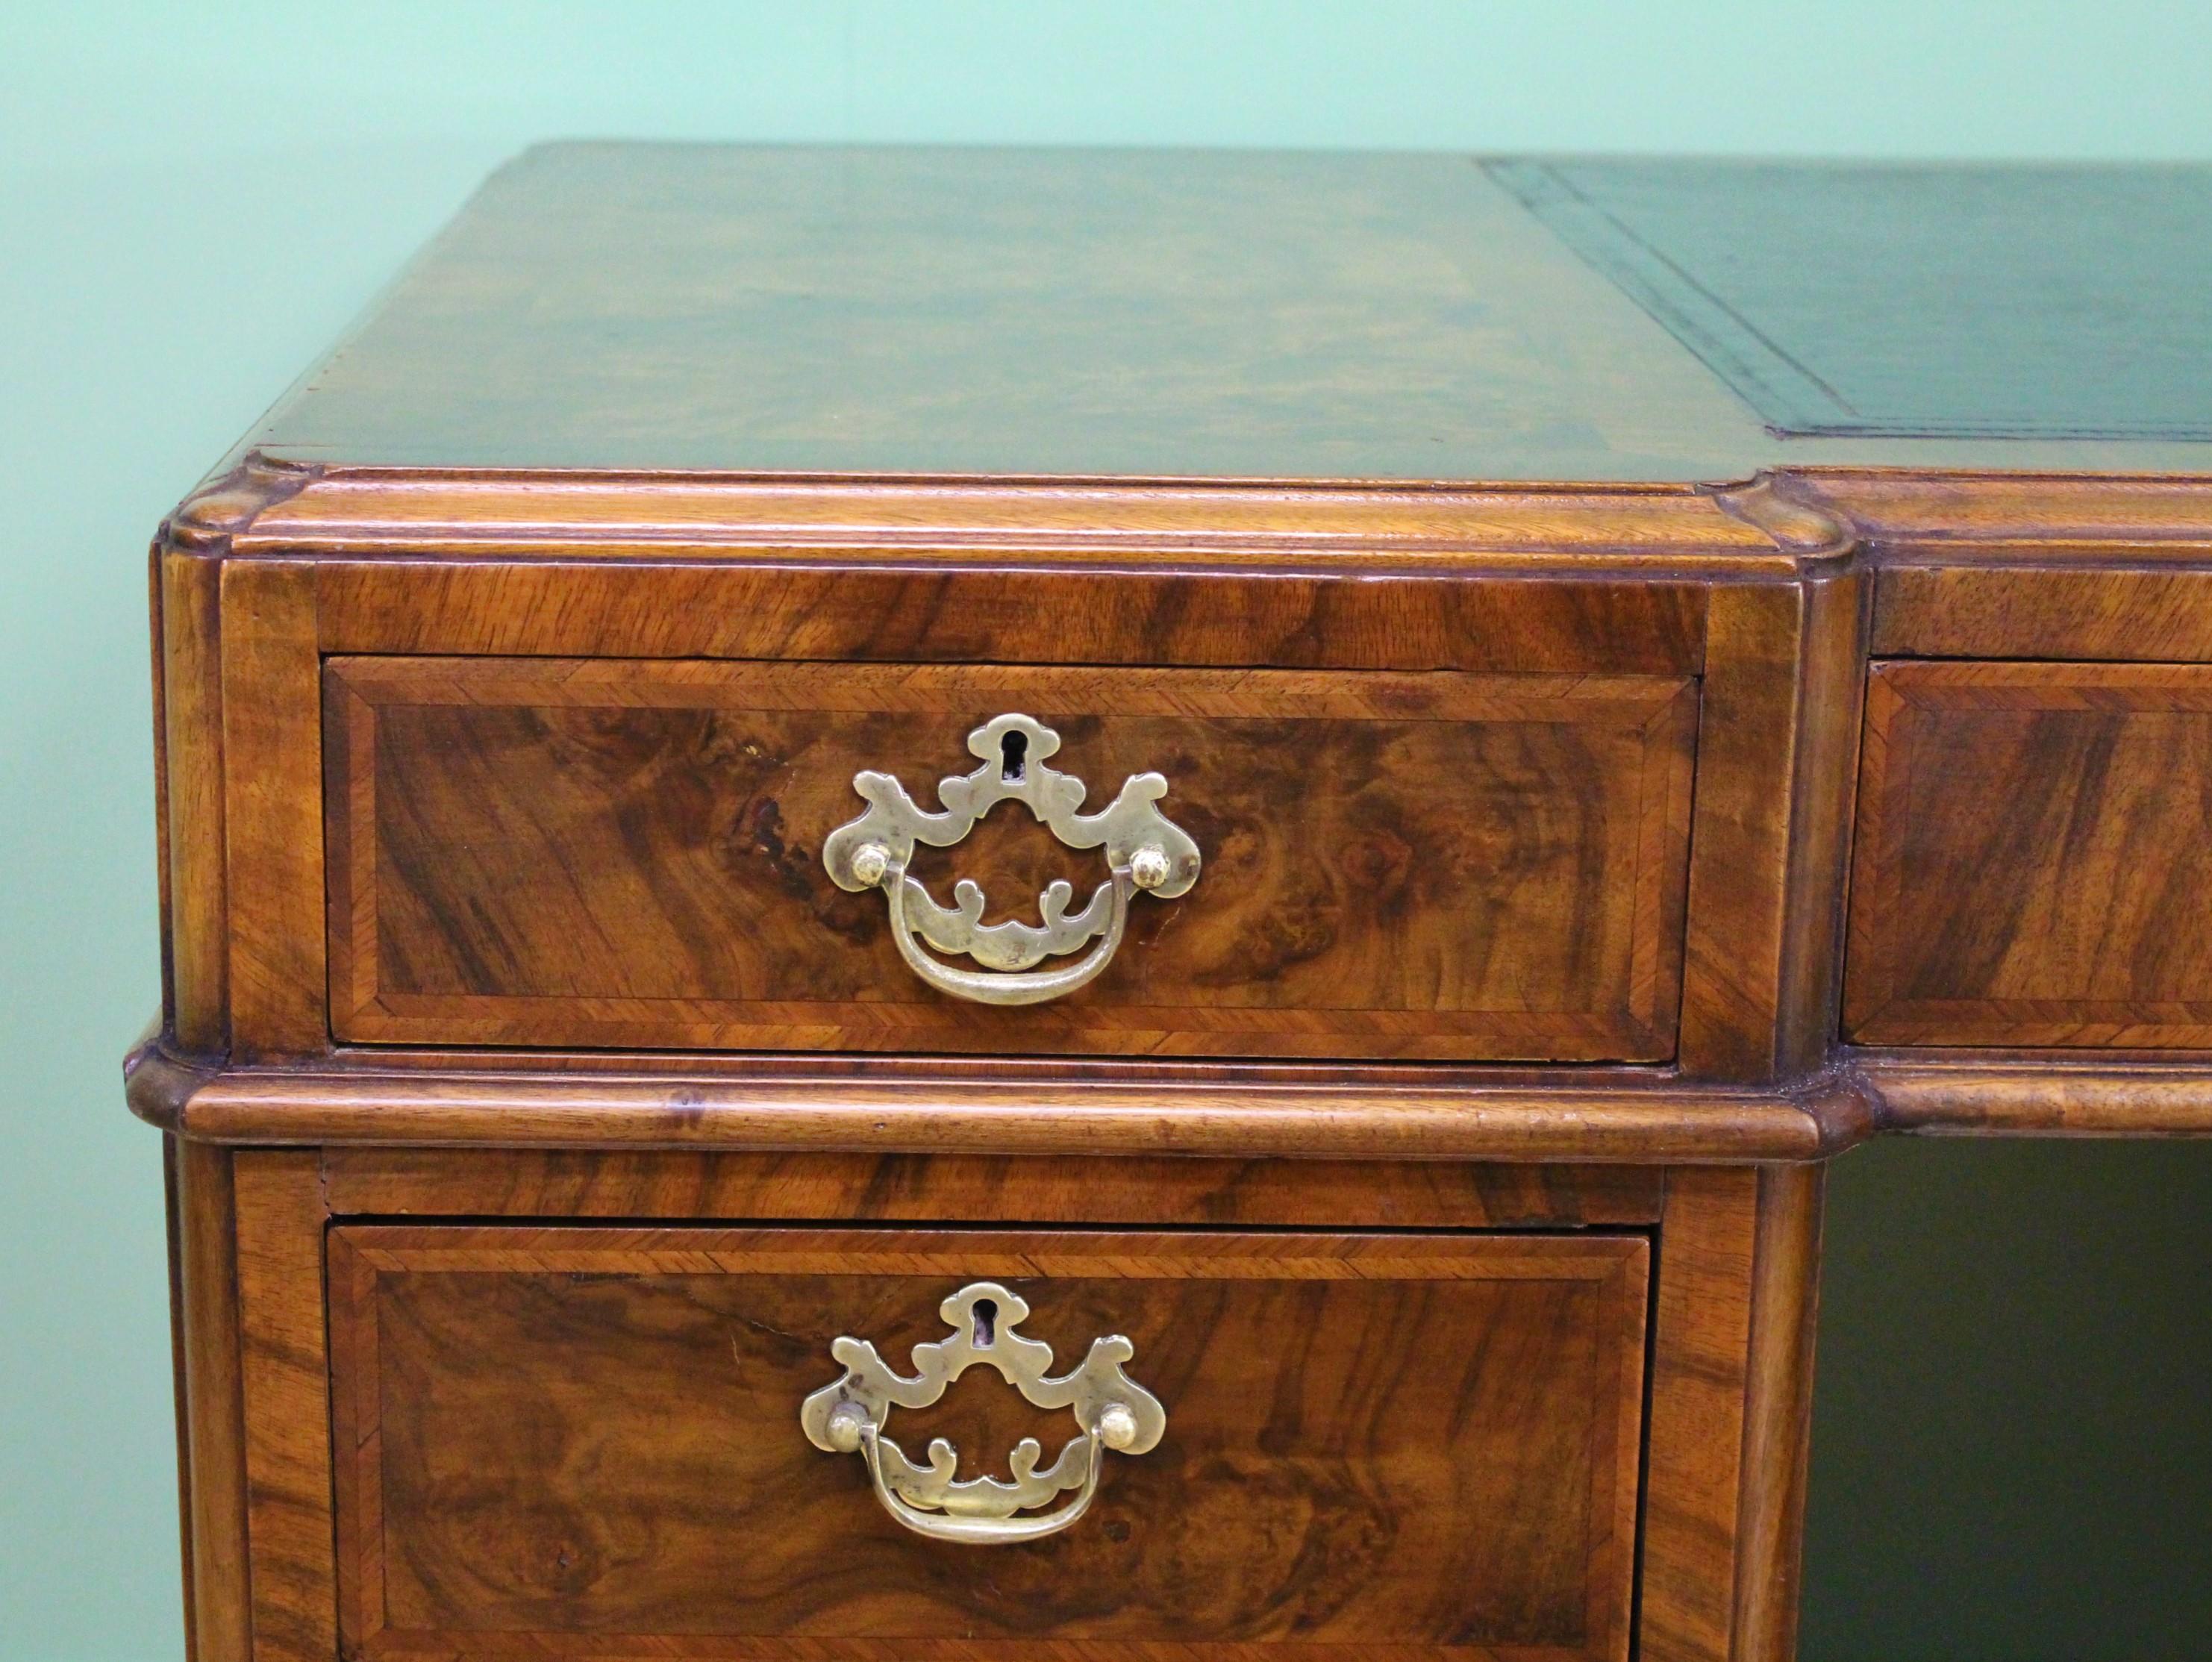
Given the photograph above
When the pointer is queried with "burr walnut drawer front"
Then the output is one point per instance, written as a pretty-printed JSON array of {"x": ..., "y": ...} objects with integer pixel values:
[
  {"x": 617, "y": 1442},
  {"x": 2034, "y": 855},
  {"x": 719, "y": 855}
]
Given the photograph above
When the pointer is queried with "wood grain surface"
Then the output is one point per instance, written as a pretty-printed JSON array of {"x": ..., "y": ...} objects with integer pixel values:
[
  {"x": 949, "y": 524},
  {"x": 2139, "y": 604},
  {"x": 1991, "y": 520},
  {"x": 2080, "y": 1093},
  {"x": 2035, "y": 566},
  {"x": 1434, "y": 730},
  {"x": 1144, "y": 602},
  {"x": 1779, "y": 706},
  {"x": 586, "y": 1441},
  {"x": 628, "y": 853},
  {"x": 1233, "y": 314},
  {"x": 978, "y": 310},
  {"x": 188, "y": 739},
  {"x": 1700, "y": 1369},
  {"x": 273, "y": 830},
  {"x": 2033, "y": 850},
  {"x": 1778, "y": 1411},
  {"x": 885, "y": 1110},
  {"x": 863, "y": 1188},
  {"x": 284, "y": 1369},
  {"x": 219, "y": 1598},
  {"x": 179, "y": 1360}
]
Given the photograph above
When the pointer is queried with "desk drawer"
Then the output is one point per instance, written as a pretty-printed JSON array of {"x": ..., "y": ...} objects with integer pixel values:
[
  {"x": 574, "y": 853},
  {"x": 588, "y": 1441},
  {"x": 2034, "y": 846}
]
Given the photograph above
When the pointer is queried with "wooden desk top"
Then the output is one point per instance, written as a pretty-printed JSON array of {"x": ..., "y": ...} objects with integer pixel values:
[
  {"x": 570, "y": 432},
  {"x": 1228, "y": 314}
]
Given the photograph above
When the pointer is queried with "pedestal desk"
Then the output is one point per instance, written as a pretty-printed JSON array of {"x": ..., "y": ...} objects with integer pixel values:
[{"x": 932, "y": 903}]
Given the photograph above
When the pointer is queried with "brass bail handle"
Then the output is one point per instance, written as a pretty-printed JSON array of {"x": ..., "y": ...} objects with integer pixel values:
[
  {"x": 1112, "y": 1412},
  {"x": 1145, "y": 852}
]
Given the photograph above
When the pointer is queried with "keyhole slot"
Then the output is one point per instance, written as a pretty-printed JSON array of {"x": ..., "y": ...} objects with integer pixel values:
[
  {"x": 987, "y": 1323},
  {"x": 1013, "y": 755}
]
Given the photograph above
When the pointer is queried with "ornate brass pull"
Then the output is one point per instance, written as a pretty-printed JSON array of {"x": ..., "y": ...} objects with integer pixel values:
[
  {"x": 1113, "y": 1410},
  {"x": 1144, "y": 850}
]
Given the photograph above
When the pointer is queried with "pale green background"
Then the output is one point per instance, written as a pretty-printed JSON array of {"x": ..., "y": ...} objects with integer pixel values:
[{"x": 2014, "y": 1445}]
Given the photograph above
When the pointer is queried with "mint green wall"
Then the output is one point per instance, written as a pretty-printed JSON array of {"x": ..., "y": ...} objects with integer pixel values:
[{"x": 194, "y": 199}]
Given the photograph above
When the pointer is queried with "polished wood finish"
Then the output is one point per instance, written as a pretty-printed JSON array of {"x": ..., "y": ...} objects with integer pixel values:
[
  {"x": 2157, "y": 611},
  {"x": 284, "y": 1372},
  {"x": 966, "y": 311},
  {"x": 1694, "y": 1430},
  {"x": 952, "y": 524},
  {"x": 1778, "y": 1411},
  {"x": 1422, "y": 1446},
  {"x": 1731, "y": 1404},
  {"x": 189, "y": 741},
  {"x": 1162, "y": 598},
  {"x": 1997, "y": 566},
  {"x": 2057, "y": 1094},
  {"x": 1521, "y": 681},
  {"x": 1617, "y": 607},
  {"x": 273, "y": 833},
  {"x": 1995, "y": 521},
  {"x": 1544, "y": 1119},
  {"x": 2080, "y": 1094},
  {"x": 1071, "y": 311},
  {"x": 2029, "y": 836},
  {"x": 911, "y": 1189},
  {"x": 179, "y": 1360},
  {"x": 217, "y": 1553},
  {"x": 1700, "y": 1371},
  {"x": 1767, "y": 843},
  {"x": 628, "y": 853},
  {"x": 1826, "y": 785}
]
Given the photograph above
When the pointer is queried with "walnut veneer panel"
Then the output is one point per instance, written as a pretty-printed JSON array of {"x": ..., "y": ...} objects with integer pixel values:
[
  {"x": 586, "y": 1441},
  {"x": 985, "y": 311},
  {"x": 900, "y": 1188},
  {"x": 626, "y": 853},
  {"x": 2034, "y": 847}
]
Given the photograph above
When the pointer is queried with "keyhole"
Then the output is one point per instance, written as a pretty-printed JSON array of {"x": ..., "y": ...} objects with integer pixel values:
[
  {"x": 987, "y": 1321},
  {"x": 1013, "y": 755}
]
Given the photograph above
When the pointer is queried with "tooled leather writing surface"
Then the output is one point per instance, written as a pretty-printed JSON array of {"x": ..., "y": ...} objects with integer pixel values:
[{"x": 1863, "y": 300}]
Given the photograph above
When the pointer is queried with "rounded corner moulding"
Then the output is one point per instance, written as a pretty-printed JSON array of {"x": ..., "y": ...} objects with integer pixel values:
[
  {"x": 1229, "y": 525},
  {"x": 883, "y": 1113}
]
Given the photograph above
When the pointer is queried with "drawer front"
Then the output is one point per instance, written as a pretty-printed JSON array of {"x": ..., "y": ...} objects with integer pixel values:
[
  {"x": 587, "y": 1440},
  {"x": 2033, "y": 852},
  {"x": 630, "y": 853}
]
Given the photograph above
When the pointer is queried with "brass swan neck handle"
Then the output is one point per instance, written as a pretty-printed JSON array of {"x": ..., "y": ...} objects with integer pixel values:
[
  {"x": 1112, "y": 1411},
  {"x": 1145, "y": 852}
]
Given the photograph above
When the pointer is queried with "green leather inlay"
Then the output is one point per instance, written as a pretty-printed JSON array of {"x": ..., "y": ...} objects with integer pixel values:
[{"x": 1956, "y": 301}]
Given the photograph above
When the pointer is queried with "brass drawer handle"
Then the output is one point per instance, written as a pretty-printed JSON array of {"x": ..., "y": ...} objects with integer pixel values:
[
  {"x": 1144, "y": 850},
  {"x": 1113, "y": 1410}
]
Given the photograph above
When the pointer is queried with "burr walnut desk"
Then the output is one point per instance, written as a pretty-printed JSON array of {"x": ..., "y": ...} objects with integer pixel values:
[{"x": 989, "y": 904}]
